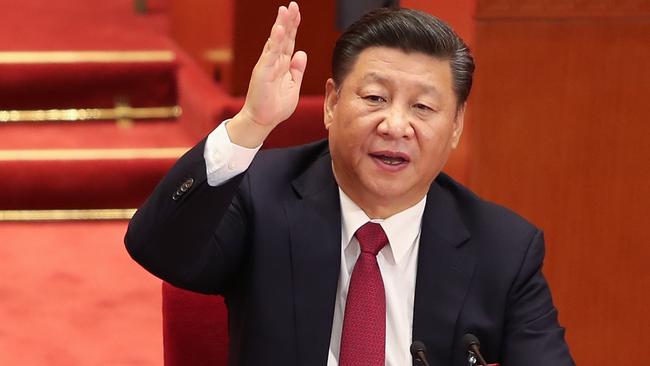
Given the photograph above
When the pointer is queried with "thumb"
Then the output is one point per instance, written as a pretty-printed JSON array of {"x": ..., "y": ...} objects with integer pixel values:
[{"x": 297, "y": 66}]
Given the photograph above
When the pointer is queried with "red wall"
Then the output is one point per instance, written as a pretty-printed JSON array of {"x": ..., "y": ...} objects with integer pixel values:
[
  {"x": 458, "y": 13},
  {"x": 560, "y": 135},
  {"x": 202, "y": 25}
]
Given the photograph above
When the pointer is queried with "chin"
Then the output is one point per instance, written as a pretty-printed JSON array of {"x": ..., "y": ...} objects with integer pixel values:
[{"x": 388, "y": 191}]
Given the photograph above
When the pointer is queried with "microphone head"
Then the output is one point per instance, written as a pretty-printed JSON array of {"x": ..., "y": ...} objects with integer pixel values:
[
  {"x": 417, "y": 347},
  {"x": 470, "y": 340}
]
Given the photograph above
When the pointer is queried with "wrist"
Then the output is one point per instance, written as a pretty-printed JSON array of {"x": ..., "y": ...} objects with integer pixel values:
[{"x": 246, "y": 132}]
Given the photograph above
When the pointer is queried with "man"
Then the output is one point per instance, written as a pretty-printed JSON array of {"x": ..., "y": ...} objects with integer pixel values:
[{"x": 344, "y": 251}]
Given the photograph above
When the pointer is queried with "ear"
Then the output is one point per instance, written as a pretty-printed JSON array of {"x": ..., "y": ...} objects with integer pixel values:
[
  {"x": 331, "y": 98},
  {"x": 459, "y": 121}
]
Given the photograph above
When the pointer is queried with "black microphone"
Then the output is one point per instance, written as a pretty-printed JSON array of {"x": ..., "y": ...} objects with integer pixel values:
[
  {"x": 419, "y": 352},
  {"x": 472, "y": 345}
]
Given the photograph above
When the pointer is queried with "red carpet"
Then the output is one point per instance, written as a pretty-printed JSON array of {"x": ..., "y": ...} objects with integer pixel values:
[
  {"x": 38, "y": 171},
  {"x": 44, "y": 85},
  {"x": 28, "y": 25},
  {"x": 70, "y": 295},
  {"x": 75, "y": 25}
]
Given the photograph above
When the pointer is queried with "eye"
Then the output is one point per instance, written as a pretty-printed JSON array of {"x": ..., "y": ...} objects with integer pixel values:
[
  {"x": 423, "y": 107},
  {"x": 374, "y": 99}
]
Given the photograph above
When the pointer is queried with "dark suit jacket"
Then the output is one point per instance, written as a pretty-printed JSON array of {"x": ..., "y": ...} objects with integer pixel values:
[{"x": 269, "y": 241}]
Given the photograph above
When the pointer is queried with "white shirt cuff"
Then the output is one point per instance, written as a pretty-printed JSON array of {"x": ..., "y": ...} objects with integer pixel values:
[{"x": 223, "y": 159}]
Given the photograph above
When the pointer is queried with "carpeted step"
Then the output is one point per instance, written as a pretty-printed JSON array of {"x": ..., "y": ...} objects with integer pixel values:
[
  {"x": 94, "y": 165},
  {"x": 86, "y": 79},
  {"x": 111, "y": 178},
  {"x": 77, "y": 55}
]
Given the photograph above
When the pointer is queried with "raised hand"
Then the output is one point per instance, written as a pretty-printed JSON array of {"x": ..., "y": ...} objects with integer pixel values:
[{"x": 274, "y": 87}]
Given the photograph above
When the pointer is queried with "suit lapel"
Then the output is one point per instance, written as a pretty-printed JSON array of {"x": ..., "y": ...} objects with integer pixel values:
[
  {"x": 315, "y": 230},
  {"x": 445, "y": 269}
]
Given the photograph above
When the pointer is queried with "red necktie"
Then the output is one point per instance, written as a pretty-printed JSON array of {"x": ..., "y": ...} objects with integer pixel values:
[{"x": 363, "y": 340}]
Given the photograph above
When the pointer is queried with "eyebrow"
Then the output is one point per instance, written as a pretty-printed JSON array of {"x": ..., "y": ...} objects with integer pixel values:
[{"x": 378, "y": 78}]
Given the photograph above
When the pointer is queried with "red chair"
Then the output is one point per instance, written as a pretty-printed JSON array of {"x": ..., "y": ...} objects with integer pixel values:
[{"x": 195, "y": 328}]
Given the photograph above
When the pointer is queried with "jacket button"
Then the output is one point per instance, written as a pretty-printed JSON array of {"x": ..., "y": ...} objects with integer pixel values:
[{"x": 186, "y": 185}]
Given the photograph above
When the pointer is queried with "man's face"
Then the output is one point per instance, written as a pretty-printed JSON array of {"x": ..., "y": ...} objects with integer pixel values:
[{"x": 392, "y": 124}]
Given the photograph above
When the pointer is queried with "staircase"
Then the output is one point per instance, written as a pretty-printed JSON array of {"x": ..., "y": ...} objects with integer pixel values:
[{"x": 96, "y": 103}]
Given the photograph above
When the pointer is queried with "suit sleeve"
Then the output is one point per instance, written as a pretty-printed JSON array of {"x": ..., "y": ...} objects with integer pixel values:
[
  {"x": 192, "y": 239},
  {"x": 533, "y": 335}
]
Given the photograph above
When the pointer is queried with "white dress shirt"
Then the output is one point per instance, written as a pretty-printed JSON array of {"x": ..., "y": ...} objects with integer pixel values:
[
  {"x": 397, "y": 261},
  {"x": 223, "y": 159},
  {"x": 398, "y": 265}
]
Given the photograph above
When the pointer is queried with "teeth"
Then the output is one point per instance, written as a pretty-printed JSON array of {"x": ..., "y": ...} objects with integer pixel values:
[{"x": 391, "y": 161}]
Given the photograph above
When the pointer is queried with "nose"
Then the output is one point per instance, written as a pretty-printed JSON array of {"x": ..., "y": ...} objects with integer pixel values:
[{"x": 396, "y": 124}]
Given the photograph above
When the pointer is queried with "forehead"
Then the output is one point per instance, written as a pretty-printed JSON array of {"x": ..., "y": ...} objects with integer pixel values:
[{"x": 394, "y": 66}]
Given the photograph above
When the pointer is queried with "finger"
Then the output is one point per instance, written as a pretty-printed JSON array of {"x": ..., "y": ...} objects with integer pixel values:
[
  {"x": 289, "y": 14},
  {"x": 280, "y": 21},
  {"x": 273, "y": 47},
  {"x": 293, "y": 14},
  {"x": 278, "y": 16},
  {"x": 276, "y": 40},
  {"x": 283, "y": 16},
  {"x": 284, "y": 19},
  {"x": 298, "y": 66},
  {"x": 293, "y": 21},
  {"x": 293, "y": 6}
]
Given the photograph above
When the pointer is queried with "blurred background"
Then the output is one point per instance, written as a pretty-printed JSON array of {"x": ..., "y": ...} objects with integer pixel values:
[{"x": 98, "y": 99}]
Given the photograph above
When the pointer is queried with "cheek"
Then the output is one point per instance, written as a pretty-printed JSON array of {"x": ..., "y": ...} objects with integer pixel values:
[
  {"x": 425, "y": 134},
  {"x": 357, "y": 129},
  {"x": 439, "y": 128},
  {"x": 433, "y": 141}
]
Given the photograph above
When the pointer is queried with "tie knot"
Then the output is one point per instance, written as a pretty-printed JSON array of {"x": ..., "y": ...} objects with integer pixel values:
[{"x": 371, "y": 238}]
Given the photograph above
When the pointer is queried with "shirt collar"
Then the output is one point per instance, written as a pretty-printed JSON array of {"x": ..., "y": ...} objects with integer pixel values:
[{"x": 402, "y": 229}]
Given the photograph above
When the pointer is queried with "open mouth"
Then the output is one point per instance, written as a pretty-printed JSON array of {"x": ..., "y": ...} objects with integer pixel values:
[{"x": 391, "y": 158}]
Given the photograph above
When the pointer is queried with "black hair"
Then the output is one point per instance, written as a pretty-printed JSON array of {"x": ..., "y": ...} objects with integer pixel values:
[{"x": 410, "y": 31}]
